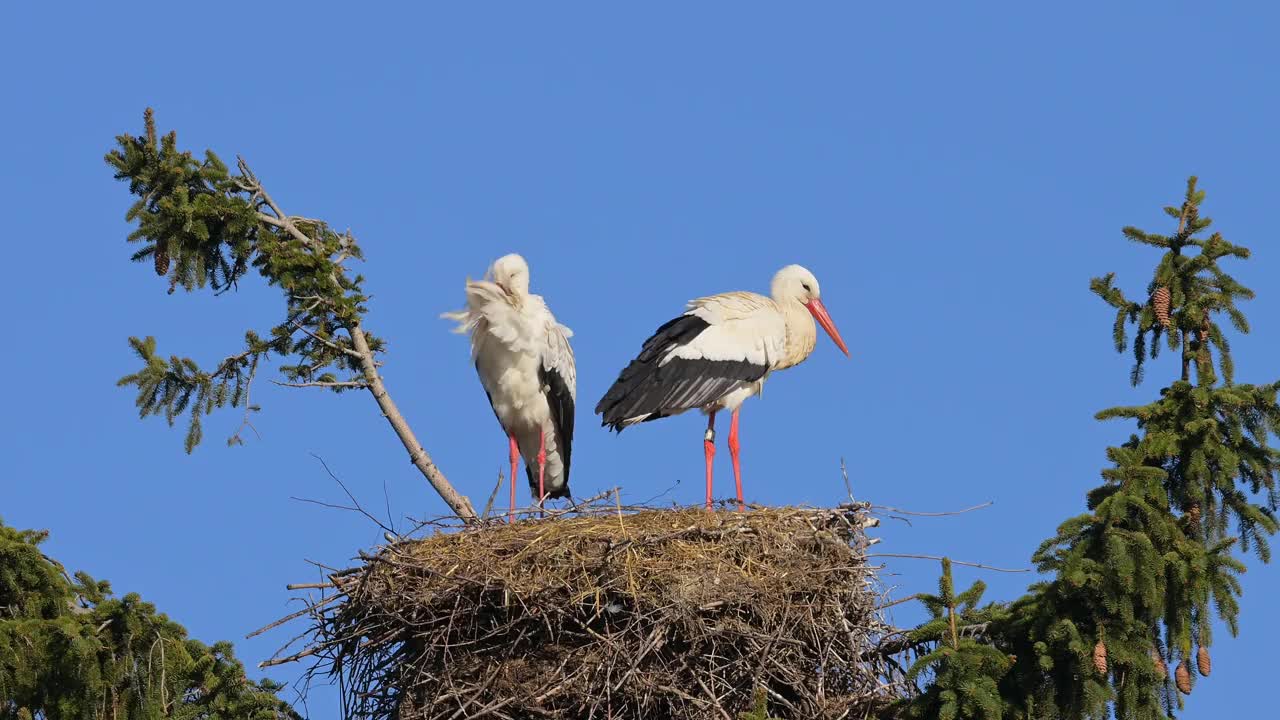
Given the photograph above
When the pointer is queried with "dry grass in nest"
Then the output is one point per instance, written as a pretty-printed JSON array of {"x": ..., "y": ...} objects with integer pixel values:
[{"x": 613, "y": 613}]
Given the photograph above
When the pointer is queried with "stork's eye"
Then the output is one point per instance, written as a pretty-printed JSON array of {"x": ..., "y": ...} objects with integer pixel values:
[{"x": 806, "y": 287}]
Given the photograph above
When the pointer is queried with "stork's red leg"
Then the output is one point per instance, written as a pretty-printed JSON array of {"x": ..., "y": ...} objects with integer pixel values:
[
  {"x": 515, "y": 457},
  {"x": 709, "y": 448},
  {"x": 733, "y": 452},
  {"x": 542, "y": 466}
]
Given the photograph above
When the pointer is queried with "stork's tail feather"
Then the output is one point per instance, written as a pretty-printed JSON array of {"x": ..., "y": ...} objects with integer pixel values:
[
  {"x": 620, "y": 425},
  {"x": 531, "y": 471}
]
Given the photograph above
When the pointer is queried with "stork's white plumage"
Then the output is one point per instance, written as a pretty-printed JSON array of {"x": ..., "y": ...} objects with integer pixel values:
[
  {"x": 526, "y": 366},
  {"x": 718, "y": 354}
]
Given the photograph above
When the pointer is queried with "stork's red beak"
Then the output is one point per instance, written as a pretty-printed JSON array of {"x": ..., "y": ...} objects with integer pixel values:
[{"x": 819, "y": 312}]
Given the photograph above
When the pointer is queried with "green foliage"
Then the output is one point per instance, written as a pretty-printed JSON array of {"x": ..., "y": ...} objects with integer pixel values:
[
  {"x": 71, "y": 650},
  {"x": 1146, "y": 569},
  {"x": 759, "y": 707},
  {"x": 187, "y": 210},
  {"x": 1198, "y": 289},
  {"x": 965, "y": 672},
  {"x": 204, "y": 226}
]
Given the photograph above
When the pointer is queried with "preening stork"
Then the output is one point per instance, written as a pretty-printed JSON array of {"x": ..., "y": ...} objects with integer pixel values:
[
  {"x": 525, "y": 364},
  {"x": 718, "y": 354}
]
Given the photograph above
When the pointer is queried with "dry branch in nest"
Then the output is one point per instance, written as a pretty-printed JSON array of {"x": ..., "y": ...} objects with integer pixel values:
[{"x": 617, "y": 613}]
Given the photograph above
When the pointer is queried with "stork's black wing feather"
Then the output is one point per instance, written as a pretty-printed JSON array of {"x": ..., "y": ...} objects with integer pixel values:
[
  {"x": 647, "y": 391},
  {"x": 560, "y": 400},
  {"x": 489, "y": 395}
]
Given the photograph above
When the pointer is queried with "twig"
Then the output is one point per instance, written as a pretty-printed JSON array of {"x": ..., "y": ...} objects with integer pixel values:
[
  {"x": 321, "y": 503},
  {"x": 576, "y": 508},
  {"x": 888, "y": 508},
  {"x": 311, "y": 607},
  {"x": 248, "y": 406},
  {"x": 292, "y": 658},
  {"x": 956, "y": 562},
  {"x": 357, "y": 507},
  {"x": 493, "y": 496},
  {"x": 352, "y": 384},
  {"x": 844, "y": 473},
  {"x": 617, "y": 499},
  {"x": 327, "y": 343},
  {"x": 164, "y": 693},
  {"x": 715, "y": 701},
  {"x": 899, "y": 601},
  {"x": 229, "y": 361},
  {"x": 386, "y": 502},
  {"x": 281, "y": 220}
]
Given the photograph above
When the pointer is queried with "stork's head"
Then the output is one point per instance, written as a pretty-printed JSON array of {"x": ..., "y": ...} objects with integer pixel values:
[
  {"x": 511, "y": 273},
  {"x": 794, "y": 283}
]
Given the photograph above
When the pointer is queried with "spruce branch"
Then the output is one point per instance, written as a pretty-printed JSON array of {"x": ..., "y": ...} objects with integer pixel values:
[
  {"x": 74, "y": 649},
  {"x": 1134, "y": 583},
  {"x": 173, "y": 386},
  {"x": 965, "y": 670},
  {"x": 212, "y": 226}
]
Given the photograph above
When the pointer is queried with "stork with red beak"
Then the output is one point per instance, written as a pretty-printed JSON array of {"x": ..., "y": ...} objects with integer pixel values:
[{"x": 718, "y": 354}]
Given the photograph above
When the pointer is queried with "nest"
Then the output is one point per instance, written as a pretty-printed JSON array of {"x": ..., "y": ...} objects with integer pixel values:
[{"x": 639, "y": 613}]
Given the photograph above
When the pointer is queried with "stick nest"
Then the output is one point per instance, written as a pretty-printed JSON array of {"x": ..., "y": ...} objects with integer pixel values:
[{"x": 629, "y": 613}]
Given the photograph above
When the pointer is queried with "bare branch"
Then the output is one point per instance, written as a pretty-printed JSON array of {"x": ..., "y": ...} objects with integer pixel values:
[
  {"x": 844, "y": 474},
  {"x": 888, "y": 508},
  {"x": 281, "y": 220},
  {"x": 308, "y": 586},
  {"x": 327, "y": 343},
  {"x": 352, "y": 384},
  {"x": 355, "y": 503},
  {"x": 248, "y": 406},
  {"x": 229, "y": 362},
  {"x": 899, "y": 601},
  {"x": 311, "y": 607},
  {"x": 292, "y": 658},
  {"x": 418, "y": 456},
  {"x": 459, "y": 503},
  {"x": 488, "y": 506},
  {"x": 954, "y": 562}
]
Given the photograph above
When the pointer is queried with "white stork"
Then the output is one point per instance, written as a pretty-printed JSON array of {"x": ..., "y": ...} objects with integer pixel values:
[
  {"x": 525, "y": 364},
  {"x": 718, "y": 354}
]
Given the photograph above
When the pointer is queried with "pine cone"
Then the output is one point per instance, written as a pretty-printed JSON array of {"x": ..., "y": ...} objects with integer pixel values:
[
  {"x": 162, "y": 259},
  {"x": 1182, "y": 678},
  {"x": 1160, "y": 300},
  {"x": 149, "y": 119},
  {"x": 1100, "y": 658},
  {"x": 1193, "y": 516},
  {"x": 1158, "y": 661},
  {"x": 1203, "y": 662}
]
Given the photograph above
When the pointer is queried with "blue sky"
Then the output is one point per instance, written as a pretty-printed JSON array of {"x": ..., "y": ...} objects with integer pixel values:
[{"x": 953, "y": 177}]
